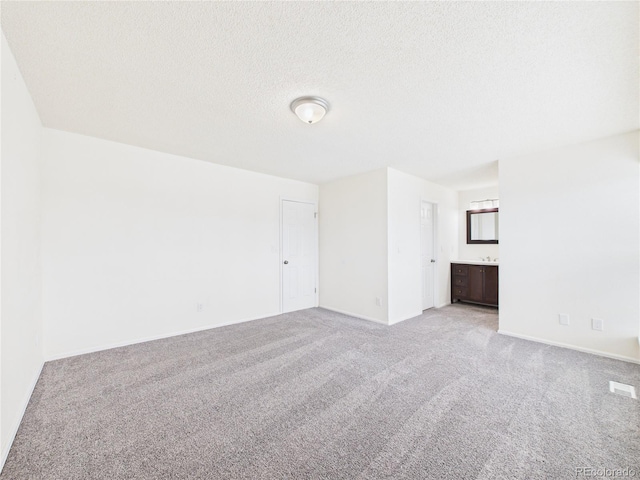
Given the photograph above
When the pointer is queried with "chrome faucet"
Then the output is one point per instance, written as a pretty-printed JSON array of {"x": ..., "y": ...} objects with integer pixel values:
[{"x": 488, "y": 258}]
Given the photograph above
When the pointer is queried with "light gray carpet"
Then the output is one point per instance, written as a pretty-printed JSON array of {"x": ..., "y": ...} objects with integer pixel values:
[{"x": 315, "y": 394}]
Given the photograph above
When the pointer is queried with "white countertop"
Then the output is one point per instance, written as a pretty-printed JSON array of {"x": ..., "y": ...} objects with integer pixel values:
[{"x": 475, "y": 262}]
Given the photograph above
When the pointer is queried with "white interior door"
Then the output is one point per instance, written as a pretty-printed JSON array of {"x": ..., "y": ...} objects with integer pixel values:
[
  {"x": 427, "y": 214},
  {"x": 299, "y": 255}
]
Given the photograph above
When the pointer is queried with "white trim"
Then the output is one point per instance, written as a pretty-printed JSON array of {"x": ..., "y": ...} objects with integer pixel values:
[
  {"x": 407, "y": 318},
  {"x": 571, "y": 347},
  {"x": 14, "y": 430},
  {"x": 356, "y": 315},
  {"x": 152, "y": 338},
  {"x": 317, "y": 249}
]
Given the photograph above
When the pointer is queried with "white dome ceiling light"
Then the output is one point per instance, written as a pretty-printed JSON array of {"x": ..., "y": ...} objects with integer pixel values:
[{"x": 310, "y": 109}]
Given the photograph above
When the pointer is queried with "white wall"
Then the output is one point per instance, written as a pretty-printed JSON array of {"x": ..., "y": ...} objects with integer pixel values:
[
  {"x": 370, "y": 244},
  {"x": 474, "y": 251},
  {"x": 20, "y": 291},
  {"x": 405, "y": 193},
  {"x": 133, "y": 239},
  {"x": 353, "y": 245},
  {"x": 569, "y": 226}
]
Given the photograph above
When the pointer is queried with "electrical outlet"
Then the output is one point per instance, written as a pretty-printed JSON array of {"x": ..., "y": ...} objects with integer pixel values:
[
  {"x": 597, "y": 324},
  {"x": 378, "y": 301},
  {"x": 563, "y": 318},
  {"x": 199, "y": 307}
]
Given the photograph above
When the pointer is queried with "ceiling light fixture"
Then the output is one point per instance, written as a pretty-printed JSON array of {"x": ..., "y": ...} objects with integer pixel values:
[{"x": 310, "y": 109}]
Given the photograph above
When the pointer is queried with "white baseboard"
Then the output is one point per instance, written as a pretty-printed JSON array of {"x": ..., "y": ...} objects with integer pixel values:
[
  {"x": 571, "y": 347},
  {"x": 357, "y": 315},
  {"x": 371, "y": 319},
  {"x": 14, "y": 428},
  {"x": 414, "y": 315},
  {"x": 125, "y": 343}
]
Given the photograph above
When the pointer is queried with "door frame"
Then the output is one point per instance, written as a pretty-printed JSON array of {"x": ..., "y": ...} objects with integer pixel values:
[
  {"x": 316, "y": 249},
  {"x": 436, "y": 283}
]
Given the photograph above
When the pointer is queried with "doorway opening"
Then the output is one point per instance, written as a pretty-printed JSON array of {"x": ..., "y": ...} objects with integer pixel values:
[{"x": 428, "y": 212}]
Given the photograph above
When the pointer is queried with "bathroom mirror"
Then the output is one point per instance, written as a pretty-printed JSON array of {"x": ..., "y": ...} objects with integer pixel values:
[{"x": 482, "y": 226}]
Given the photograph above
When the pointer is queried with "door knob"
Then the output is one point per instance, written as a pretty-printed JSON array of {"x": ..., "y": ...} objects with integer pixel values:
[
  {"x": 433, "y": 260},
  {"x": 286, "y": 262}
]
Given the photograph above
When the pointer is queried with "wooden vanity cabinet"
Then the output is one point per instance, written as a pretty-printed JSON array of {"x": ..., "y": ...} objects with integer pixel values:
[{"x": 474, "y": 283}]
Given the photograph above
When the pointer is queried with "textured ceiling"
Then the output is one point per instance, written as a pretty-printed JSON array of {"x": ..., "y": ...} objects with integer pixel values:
[{"x": 440, "y": 90}]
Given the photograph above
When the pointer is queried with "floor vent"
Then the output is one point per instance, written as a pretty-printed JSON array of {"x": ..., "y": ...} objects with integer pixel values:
[{"x": 622, "y": 389}]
